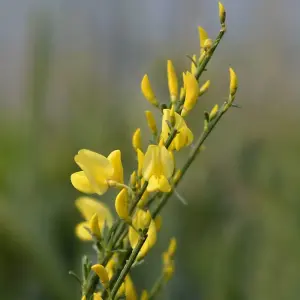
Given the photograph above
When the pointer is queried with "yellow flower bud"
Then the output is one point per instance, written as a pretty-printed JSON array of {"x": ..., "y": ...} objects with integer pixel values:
[
  {"x": 204, "y": 88},
  {"x": 94, "y": 226},
  {"x": 137, "y": 140},
  {"x": 122, "y": 205},
  {"x": 203, "y": 36},
  {"x": 193, "y": 66},
  {"x": 222, "y": 13},
  {"x": 140, "y": 159},
  {"x": 213, "y": 112},
  {"x": 168, "y": 268},
  {"x": 143, "y": 200},
  {"x": 172, "y": 247},
  {"x": 207, "y": 44},
  {"x": 172, "y": 81},
  {"x": 147, "y": 90},
  {"x": 97, "y": 296},
  {"x": 233, "y": 82},
  {"x": 102, "y": 274},
  {"x": 83, "y": 297},
  {"x": 151, "y": 121},
  {"x": 133, "y": 179},
  {"x": 192, "y": 92},
  {"x": 158, "y": 223},
  {"x": 144, "y": 295},
  {"x": 182, "y": 93}
]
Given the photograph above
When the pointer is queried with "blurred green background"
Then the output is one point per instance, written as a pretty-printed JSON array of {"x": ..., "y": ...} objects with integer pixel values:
[{"x": 70, "y": 79}]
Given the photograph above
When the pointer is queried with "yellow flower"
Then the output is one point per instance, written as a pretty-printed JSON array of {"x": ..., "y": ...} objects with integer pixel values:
[
  {"x": 141, "y": 220},
  {"x": 140, "y": 159},
  {"x": 136, "y": 140},
  {"x": 191, "y": 94},
  {"x": 97, "y": 296},
  {"x": 102, "y": 274},
  {"x": 94, "y": 225},
  {"x": 130, "y": 291},
  {"x": 88, "y": 207},
  {"x": 222, "y": 13},
  {"x": 151, "y": 121},
  {"x": 233, "y": 82},
  {"x": 158, "y": 167},
  {"x": 83, "y": 297},
  {"x": 213, "y": 112},
  {"x": 204, "y": 88},
  {"x": 147, "y": 90},
  {"x": 203, "y": 36},
  {"x": 183, "y": 138},
  {"x": 122, "y": 205},
  {"x": 172, "y": 247},
  {"x": 144, "y": 295},
  {"x": 168, "y": 266},
  {"x": 172, "y": 81},
  {"x": 97, "y": 171}
]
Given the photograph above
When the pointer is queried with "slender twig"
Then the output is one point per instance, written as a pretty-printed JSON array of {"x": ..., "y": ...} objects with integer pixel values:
[{"x": 129, "y": 263}]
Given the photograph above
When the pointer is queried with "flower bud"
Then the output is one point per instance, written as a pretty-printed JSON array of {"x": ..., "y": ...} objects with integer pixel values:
[
  {"x": 144, "y": 295},
  {"x": 233, "y": 82},
  {"x": 122, "y": 205},
  {"x": 94, "y": 226},
  {"x": 213, "y": 112},
  {"x": 151, "y": 121},
  {"x": 172, "y": 81},
  {"x": 207, "y": 45},
  {"x": 222, "y": 14},
  {"x": 172, "y": 247},
  {"x": 204, "y": 88},
  {"x": 147, "y": 90},
  {"x": 136, "y": 139},
  {"x": 97, "y": 296},
  {"x": 203, "y": 36},
  {"x": 102, "y": 274}
]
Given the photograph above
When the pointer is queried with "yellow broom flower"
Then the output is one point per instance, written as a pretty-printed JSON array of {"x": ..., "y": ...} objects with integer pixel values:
[
  {"x": 142, "y": 220},
  {"x": 102, "y": 274},
  {"x": 151, "y": 121},
  {"x": 147, "y": 90},
  {"x": 122, "y": 205},
  {"x": 97, "y": 171},
  {"x": 183, "y": 138},
  {"x": 158, "y": 168},
  {"x": 136, "y": 139},
  {"x": 88, "y": 207},
  {"x": 191, "y": 94},
  {"x": 172, "y": 81}
]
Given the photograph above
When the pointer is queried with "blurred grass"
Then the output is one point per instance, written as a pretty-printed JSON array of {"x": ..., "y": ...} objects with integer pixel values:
[{"x": 239, "y": 236}]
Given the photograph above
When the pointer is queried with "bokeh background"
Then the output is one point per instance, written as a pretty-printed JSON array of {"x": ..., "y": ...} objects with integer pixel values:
[{"x": 70, "y": 79}]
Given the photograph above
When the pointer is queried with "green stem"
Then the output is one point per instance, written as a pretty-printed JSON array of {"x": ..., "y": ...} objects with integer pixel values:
[
  {"x": 129, "y": 263},
  {"x": 192, "y": 156}
]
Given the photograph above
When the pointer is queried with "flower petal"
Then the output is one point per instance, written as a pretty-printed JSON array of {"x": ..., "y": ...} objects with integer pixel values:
[
  {"x": 150, "y": 161},
  {"x": 89, "y": 206},
  {"x": 97, "y": 169},
  {"x": 164, "y": 185},
  {"x": 153, "y": 184},
  {"x": 167, "y": 162},
  {"x": 115, "y": 159},
  {"x": 81, "y": 183},
  {"x": 81, "y": 231}
]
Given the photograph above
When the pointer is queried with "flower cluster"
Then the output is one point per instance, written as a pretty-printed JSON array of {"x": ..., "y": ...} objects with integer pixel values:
[{"x": 123, "y": 240}]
